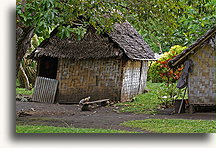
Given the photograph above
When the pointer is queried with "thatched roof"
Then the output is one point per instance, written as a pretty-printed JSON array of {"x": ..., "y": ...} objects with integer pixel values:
[
  {"x": 124, "y": 39},
  {"x": 131, "y": 42},
  {"x": 209, "y": 36}
]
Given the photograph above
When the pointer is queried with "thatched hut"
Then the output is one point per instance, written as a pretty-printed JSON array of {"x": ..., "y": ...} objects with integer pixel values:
[
  {"x": 111, "y": 65},
  {"x": 201, "y": 80}
]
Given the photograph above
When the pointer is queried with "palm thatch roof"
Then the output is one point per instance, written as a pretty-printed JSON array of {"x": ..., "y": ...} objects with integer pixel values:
[
  {"x": 131, "y": 42},
  {"x": 208, "y": 37},
  {"x": 124, "y": 39}
]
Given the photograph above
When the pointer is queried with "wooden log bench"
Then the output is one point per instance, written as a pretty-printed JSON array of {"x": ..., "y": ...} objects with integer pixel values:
[{"x": 86, "y": 105}]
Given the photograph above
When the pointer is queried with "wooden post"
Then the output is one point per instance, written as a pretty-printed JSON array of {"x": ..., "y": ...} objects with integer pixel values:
[
  {"x": 179, "y": 111},
  {"x": 191, "y": 109}
]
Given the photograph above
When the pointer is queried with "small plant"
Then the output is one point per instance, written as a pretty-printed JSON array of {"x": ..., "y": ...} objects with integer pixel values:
[{"x": 168, "y": 93}]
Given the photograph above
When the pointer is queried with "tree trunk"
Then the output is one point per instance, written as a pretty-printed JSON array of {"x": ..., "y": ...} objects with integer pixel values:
[
  {"x": 25, "y": 78},
  {"x": 23, "y": 42},
  {"x": 27, "y": 73}
]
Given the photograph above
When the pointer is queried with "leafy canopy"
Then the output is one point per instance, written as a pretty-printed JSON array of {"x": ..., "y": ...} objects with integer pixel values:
[
  {"x": 102, "y": 14},
  {"x": 162, "y": 23},
  {"x": 189, "y": 20}
]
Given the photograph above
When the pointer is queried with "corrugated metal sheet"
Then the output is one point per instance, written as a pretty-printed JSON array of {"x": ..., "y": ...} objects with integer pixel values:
[{"x": 45, "y": 90}]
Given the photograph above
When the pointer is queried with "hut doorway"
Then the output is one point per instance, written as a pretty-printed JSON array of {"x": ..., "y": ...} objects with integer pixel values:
[{"x": 48, "y": 67}]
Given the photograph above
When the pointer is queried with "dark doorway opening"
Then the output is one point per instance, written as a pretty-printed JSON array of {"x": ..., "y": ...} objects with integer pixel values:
[{"x": 48, "y": 67}]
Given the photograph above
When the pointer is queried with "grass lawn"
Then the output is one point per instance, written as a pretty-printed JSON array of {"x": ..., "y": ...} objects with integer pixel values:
[
  {"x": 23, "y": 91},
  {"x": 144, "y": 103},
  {"x": 173, "y": 125},
  {"x": 52, "y": 129}
]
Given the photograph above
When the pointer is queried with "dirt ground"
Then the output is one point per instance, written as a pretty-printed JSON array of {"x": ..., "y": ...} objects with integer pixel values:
[{"x": 33, "y": 113}]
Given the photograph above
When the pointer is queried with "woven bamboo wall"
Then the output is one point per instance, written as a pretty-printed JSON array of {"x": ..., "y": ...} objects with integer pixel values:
[
  {"x": 143, "y": 77},
  {"x": 202, "y": 79},
  {"x": 98, "y": 79},
  {"x": 134, "y": 79}
]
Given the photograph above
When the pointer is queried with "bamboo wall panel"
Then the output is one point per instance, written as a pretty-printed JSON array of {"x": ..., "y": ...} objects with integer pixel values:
[
  {"x": 202, "y": 79},
  {"x": 45, "y": 90},
  {"x": 134, "y": 79},
  {"x": 99, "y": 79},
  {"x": 143, "y": 78}
]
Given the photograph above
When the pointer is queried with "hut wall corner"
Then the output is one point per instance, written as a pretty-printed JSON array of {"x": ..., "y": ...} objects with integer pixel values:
[{"x": 134, "y": 79}]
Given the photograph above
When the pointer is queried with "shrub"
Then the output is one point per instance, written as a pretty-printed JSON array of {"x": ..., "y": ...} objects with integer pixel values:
[{"x": 159, "y": 70}]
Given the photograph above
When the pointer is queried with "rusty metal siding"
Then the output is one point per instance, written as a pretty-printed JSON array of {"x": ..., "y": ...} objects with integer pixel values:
[
  {"x": 202, "y": 80},
  {"x": 45, "y": 90},
  {"x": 99, "y": 79}
]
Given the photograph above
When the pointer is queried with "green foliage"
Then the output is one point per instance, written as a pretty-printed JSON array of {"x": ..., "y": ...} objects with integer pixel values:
[
  {"x": 198, "y": 17},
  {"x": 168, "y": 93},
  {"x": 183, "y": 22},
  {"x": 162, "y": 23},
  {"x": 159, "y": 70},
  {"x": 17, "y": 83},
  {"x": 159, "y": 95},
  {"x": 23, "y": 91},
  {"x": 65, "y": 31},
  {"x": 35, "y": 41},
  {"x": 173, "y": 125},
  {"x": 45, "y": 15},
  {"x": 174, "y": 50},
  {"x": 42, "y": 14},
  {"x": 52, "y": 129}
]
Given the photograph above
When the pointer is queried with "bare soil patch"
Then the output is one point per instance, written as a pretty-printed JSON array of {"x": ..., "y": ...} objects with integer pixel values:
[{"x": 101, "y": 117}]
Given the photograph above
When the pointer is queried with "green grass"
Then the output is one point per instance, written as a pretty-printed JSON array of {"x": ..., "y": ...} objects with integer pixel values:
[
  {"x": 52, "y": 129},
  {"x": 144, "y": 103},
  {"x": 23, "y": 91},
  {"x": 173, "y": 125},
  {"x": 17, "y": 83}
]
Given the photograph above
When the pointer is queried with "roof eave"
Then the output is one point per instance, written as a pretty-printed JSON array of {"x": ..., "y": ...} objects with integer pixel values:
[{"x": 143, "y": 59}]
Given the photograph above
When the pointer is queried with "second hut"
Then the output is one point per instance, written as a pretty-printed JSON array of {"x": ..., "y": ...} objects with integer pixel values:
[{"x": 201, "y": 77}]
